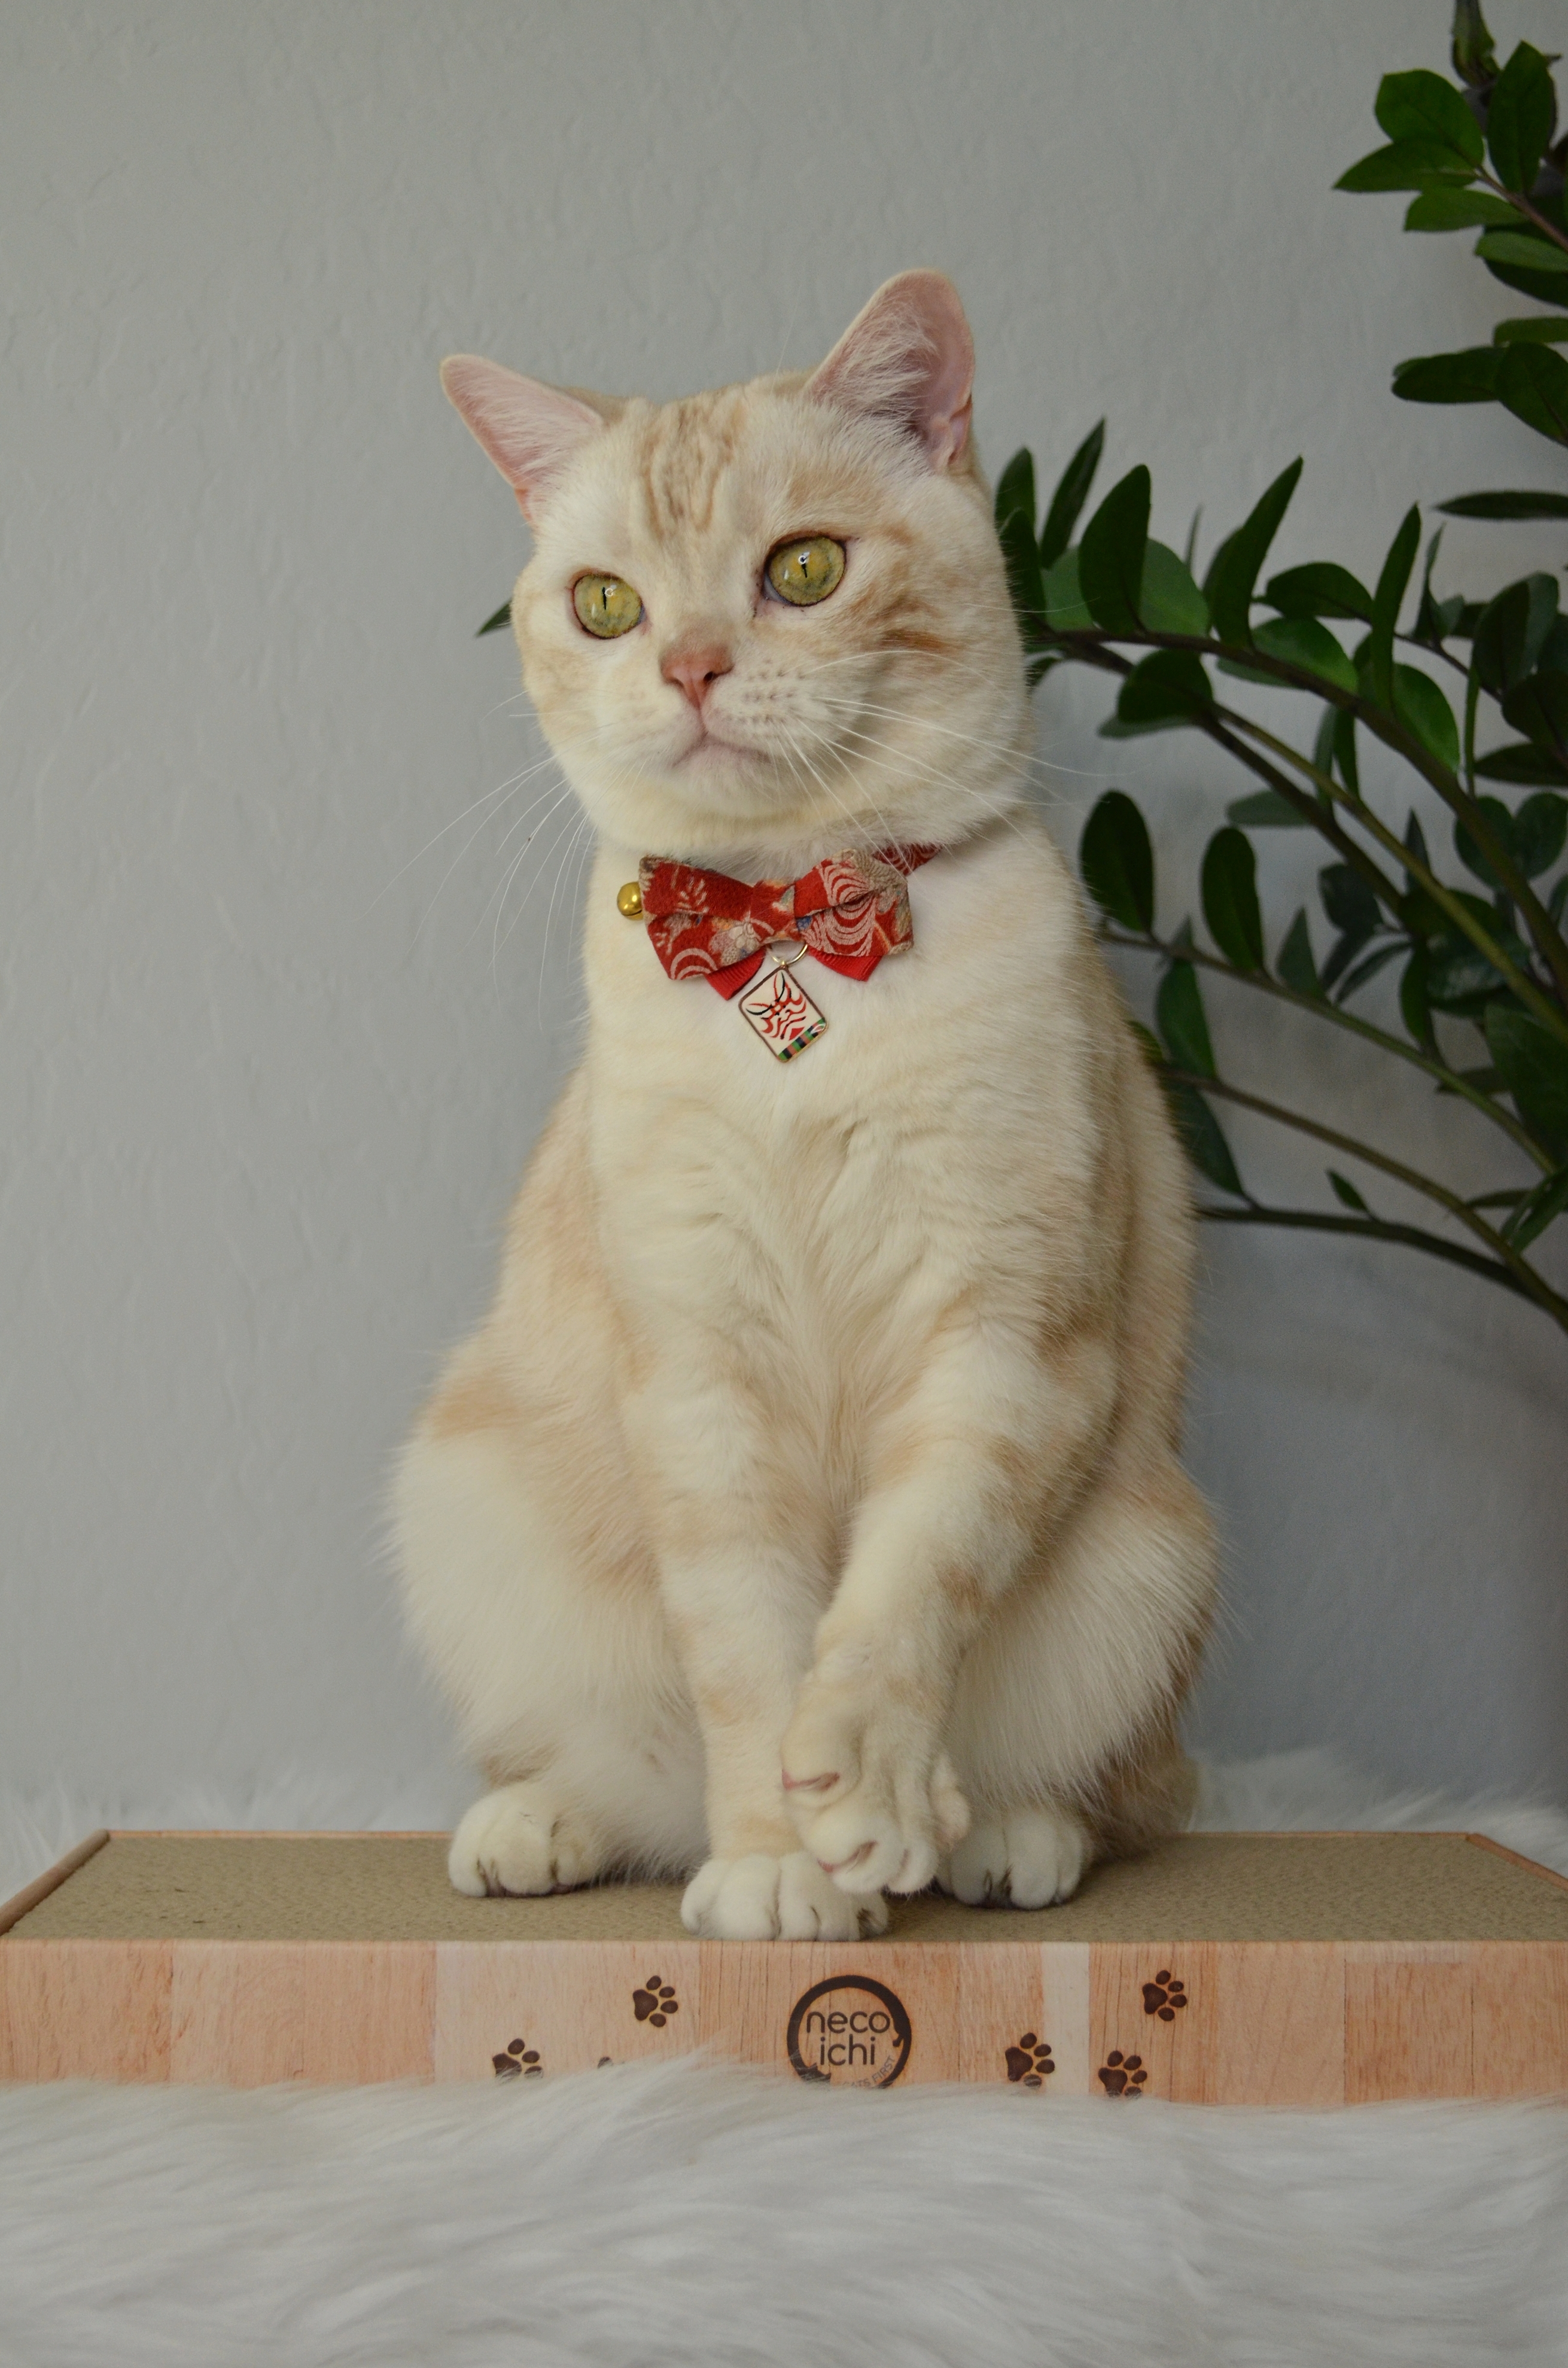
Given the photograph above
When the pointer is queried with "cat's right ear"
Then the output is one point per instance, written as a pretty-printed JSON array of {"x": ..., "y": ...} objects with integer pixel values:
[{"x": 529, "y": 430}]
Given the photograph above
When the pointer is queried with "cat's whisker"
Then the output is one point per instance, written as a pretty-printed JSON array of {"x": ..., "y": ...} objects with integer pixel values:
[
  {"x": 558, "y": 799},
  {"x": 505, "y": 791}
]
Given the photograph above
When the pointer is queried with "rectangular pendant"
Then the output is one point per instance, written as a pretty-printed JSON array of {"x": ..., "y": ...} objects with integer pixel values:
[{"x": 782, "y": 1013}]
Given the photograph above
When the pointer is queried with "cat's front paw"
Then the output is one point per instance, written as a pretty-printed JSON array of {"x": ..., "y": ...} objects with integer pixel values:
[
  {"x": 874, "y": 1798},
  {"x": 1026, "y": 1858},
  {"x": 763, "y": 1898},
  {"x": 522, "y": 1839}
]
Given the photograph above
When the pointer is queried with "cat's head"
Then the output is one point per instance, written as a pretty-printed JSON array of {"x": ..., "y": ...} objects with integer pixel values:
[{"x": 774, "y": 617}]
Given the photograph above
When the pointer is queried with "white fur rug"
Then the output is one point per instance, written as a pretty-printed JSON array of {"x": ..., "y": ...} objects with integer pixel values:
[{"x": 642, "y": 2217}]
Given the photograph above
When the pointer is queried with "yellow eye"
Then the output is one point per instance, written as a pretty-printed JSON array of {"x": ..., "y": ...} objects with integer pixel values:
[
  {"x": 807, "y": 569},
  {"x": 605, "y": 605}
]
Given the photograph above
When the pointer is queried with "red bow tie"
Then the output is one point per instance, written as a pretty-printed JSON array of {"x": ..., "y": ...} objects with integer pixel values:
[{"x": 849, "y": 912}]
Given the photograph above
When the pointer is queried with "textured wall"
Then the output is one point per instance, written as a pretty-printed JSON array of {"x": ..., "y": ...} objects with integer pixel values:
[{"x": 280, "y": 1020}]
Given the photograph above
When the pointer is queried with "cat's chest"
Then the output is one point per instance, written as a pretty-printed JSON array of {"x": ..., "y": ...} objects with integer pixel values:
[{"x": 910, "y": 1137}]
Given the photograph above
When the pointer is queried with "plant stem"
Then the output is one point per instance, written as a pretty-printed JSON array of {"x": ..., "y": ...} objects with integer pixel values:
[
  {"x": 1521, "y": 204},
  {"x": 1380, "y": 1229},
  {"x": 1533, "y": 1285},
  {"x": 1263, "y": 984}
]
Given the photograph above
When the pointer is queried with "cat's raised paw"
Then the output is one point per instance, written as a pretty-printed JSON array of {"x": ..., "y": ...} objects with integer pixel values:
[
  {"x": 763, "y": 1898},
  {"x": 522, "y": 1839},
  {"x": 1026, "y": 1858},
  {"x": 873, "y": 1802}
]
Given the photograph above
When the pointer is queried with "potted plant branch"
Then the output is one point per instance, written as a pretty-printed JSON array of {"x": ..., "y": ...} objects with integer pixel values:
[{"x": 1483, "y": 960}]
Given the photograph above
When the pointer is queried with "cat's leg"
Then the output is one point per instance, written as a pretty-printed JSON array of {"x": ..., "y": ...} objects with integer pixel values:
[
  {"x": 983, "y": 1453},
  {"x": 540, "y": 1611},
  {"x": 1064, "y": 1719},
  {"x": 735, "y": 1509}
]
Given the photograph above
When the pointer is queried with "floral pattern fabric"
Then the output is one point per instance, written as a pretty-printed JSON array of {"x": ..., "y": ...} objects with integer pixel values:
[{"x": 848, "y": 911}]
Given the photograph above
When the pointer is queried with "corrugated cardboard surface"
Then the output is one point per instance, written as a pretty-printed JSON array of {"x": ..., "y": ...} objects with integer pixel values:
[{"x": 1198, "y": 1888}]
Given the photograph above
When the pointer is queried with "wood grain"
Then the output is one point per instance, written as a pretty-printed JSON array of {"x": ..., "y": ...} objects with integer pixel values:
[
  {"x": 1407, "y": 2021},
  {"x": 84, "y": 2009}
]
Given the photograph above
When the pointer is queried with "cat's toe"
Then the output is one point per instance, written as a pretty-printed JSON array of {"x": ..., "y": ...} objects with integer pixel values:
[
  {"x": 763, "y": 1898},
  {"x": 519, "y": 1839},
  {"x": 1026, "y": 1858}
]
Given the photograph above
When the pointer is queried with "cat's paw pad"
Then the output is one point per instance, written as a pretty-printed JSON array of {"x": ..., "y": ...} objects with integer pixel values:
[
  {"x": 1030, "y": 2061},
  {"x": 1165, "y": 1995},
  {"x": 1026, "y": 1858},
  {"x": 873, "y": 1802},
  {"x": 521, "y": 1839},
  {"x": 655, "y": 2002},
  {"x": 1122, "y": 2075},
  {"x": 763, "y": 1898},
  {"x": 520, "y": 2062}
]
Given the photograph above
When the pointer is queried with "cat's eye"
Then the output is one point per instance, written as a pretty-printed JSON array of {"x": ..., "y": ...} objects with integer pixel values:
[
  {"x": 605, "y": 605},
  {"x": 807, "y": 569}
]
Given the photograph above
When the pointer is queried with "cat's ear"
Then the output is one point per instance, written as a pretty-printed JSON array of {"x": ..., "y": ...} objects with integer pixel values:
[
  {"x": 907, "y": 358},
  {"x": 529, "y": 430}
]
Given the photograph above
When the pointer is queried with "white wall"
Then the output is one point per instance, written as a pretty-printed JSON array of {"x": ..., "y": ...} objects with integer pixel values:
[{"x": 270, "y": 1065}]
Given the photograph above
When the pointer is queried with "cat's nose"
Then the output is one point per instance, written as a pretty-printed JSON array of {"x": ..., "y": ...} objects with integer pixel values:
[{"x": 695, "y": 669}]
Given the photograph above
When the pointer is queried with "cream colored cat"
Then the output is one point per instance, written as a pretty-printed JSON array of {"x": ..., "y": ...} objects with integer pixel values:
[{"x": 807, "y": 1515}]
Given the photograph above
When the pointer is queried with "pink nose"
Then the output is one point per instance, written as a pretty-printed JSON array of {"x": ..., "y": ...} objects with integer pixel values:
[{"x": 696, "y": 670}]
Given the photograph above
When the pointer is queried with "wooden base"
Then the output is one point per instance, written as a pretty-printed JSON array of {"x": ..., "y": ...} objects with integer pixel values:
[{"x": 1280, "y": 1969}]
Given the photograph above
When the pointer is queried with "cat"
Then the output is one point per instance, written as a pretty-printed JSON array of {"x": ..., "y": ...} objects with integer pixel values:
[{"x": 806, "y": 1520}]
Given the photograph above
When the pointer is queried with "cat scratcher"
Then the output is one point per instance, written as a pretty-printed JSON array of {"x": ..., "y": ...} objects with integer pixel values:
[{"x": 1267, "y": 1969}]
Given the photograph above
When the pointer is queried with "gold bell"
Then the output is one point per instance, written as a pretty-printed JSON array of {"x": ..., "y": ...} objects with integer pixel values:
[{"x": 630, "y": 901}]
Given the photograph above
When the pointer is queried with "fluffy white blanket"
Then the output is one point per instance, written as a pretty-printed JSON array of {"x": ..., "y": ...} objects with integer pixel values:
[{"x": 642, "y": 2217}]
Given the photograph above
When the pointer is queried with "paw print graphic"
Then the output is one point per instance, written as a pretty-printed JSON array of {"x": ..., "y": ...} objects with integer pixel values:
[
  {"x": 1122, "y": 2075},
  {"x": 1030, "y": 2061},
  {"x": 519, "y": 2063},
  {"x": 655, "y": 2002},
  {"x": 1165, "y": 1995}
]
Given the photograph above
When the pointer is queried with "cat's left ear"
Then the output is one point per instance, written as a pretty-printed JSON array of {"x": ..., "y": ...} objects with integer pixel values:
[
  {"x": 530, "y": 430},
  {"x": 907, "y": 358}
]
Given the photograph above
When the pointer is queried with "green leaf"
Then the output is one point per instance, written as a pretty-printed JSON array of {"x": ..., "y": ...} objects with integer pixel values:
[
  {"x": 1110, "y": 556},
  {"x": 1508, "y": 505},
  {"x": 1534, "y": 1065},
  {"x": 1501, "y": 822},
  {"x": 1320, "y": 590},
  {"x": 1166, "y": 689},
  {"x": 1538, "y": 1210},
  {"x": 1475, "y": 60},
  {"x": 1521, "y": 762},
  {"x": 1539, "y": 708},
  {"x": 1296, "y": 965},
  {"x": 1265, "y": 810},
  {"x": 1230, "y": 898},
  {"x": 1117, "y": 862},
  {"x": 1386, "y": 601},
  {"x": 1547, "y": 286},
  {"x": 1523, "y": 249},
  {"x": 1303, "y": 641},
  {"x": 1422, "y": 106},
  {"x": 1348, "y": 903},
  {"x": 1344, "y": 751},
  {"x": 1532, "y": 380},
  {"x": 493, "y": 624},
  {"x": 1405, "y": 164},
  {"x": 1234, "y": 573},
  {"x": 1071, "y": 493},
  {"x": 1168, "y": 601},
  {"x": 1541, "y": 827},
  {"x": 1369, "y": 967},
  {"x": 1412, "y": 1005},
  {"x": 1180, "y": 1019},
  {"x": 1202, "y": 1138},
  {"x": 1519, "y": 118},
  {"x": 1014, "y": 509},
  {"x": 1535, "y": 329},
  {"x": 1015, "y": 490},
  {"x": 1065, "y": 609},
  {"x": 1451, "y": 209},
  {"x": 1422, "y": 709},
  {"x": 1511, "y": 631},
  {"x": 1344, "y": 1190},
  {"x": 1467, "y": 377}
]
